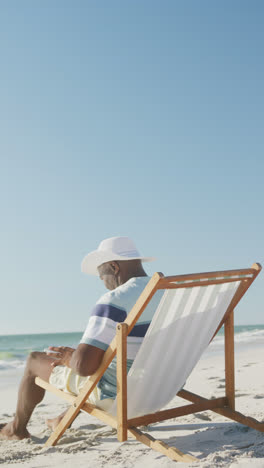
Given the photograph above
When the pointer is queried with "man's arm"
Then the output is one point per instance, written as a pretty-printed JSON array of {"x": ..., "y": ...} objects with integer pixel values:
[{"x": 84, "y": 360}]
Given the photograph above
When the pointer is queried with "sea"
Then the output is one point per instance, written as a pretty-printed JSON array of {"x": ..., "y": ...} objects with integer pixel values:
[{"x": 14, "y": 349}]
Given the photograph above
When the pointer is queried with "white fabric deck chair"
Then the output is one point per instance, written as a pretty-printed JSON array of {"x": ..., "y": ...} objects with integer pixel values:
[{"x": 191, "y": 311}]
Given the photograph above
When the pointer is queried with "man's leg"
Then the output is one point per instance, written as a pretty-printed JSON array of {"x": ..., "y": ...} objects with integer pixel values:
[
  {"x": 29, "y": 395},
  {"x": 53, "y": 423}
]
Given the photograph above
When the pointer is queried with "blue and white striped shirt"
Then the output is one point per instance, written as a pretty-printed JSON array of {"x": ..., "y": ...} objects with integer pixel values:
[{"x": 112, "y": 308}]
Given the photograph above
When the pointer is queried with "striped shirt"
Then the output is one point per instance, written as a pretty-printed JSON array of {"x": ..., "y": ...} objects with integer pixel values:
[{"x": 111, "y": 309}]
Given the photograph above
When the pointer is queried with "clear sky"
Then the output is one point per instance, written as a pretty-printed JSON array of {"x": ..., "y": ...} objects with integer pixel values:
[{"x": 141, "y": 118}]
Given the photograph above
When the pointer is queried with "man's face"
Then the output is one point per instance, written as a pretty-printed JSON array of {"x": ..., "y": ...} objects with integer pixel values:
[{"x": 107, "y": 273}]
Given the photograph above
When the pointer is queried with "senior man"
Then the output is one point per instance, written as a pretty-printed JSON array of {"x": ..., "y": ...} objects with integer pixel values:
[{"x": 118, "y": 263}]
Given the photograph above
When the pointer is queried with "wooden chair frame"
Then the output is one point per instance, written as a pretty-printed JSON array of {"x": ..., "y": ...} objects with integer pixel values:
[{"x": 128, "y": 427}]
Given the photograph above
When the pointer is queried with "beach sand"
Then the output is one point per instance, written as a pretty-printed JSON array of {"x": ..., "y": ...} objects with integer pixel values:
[{"x": 213, "y": 439}]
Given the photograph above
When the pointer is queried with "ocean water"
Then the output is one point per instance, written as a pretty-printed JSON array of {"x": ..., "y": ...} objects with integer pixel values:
[
  {"x": 246, "y": 336},
  {"x": 14, "y": 349}
]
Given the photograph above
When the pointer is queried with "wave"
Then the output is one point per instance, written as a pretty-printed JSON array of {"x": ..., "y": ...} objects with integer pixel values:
[
  {"x": 252, "y": 336},
  {"x": 11, "y": 364},
  {"x": 12, "y": 360},
  {"x": 15, "y": 349}
]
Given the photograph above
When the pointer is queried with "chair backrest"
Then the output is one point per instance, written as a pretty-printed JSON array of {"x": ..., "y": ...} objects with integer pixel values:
[{"x": 186, "y": 319}]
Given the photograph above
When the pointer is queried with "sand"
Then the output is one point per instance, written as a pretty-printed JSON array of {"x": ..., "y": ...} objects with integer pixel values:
[{"x": 213, "y": 439}]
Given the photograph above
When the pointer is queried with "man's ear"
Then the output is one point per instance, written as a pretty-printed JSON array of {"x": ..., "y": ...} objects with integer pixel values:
[{"x": 115, "y": 267}]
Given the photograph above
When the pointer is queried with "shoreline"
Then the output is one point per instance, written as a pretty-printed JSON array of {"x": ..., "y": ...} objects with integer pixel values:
[{"x": 11, "y": 377}]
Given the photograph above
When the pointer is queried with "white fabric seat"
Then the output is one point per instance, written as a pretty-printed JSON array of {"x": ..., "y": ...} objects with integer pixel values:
[{"x": 181, "y": 329}]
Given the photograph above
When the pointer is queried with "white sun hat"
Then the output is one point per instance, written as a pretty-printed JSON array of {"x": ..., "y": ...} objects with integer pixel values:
[{"x": 114, "y": 248}]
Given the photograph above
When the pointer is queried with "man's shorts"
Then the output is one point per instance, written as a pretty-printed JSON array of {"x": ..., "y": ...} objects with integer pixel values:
[{"x": 65, "y": 379}]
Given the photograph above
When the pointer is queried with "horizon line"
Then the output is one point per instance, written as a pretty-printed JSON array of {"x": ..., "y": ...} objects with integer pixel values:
[{"x": 82, "y": 331}]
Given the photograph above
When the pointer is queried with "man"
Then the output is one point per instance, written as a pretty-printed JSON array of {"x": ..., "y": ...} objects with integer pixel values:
[{"x": 118, "y": 263}]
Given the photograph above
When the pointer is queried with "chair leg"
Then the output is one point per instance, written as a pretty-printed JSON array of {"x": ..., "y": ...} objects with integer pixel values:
[
  {"x": 62, "y": 426},
  {"x": 159, "y": 446},
  {"x": 230, "y": 360},
  {"x": 121, "y": 379},
  {"x": 227, "y": 412}
]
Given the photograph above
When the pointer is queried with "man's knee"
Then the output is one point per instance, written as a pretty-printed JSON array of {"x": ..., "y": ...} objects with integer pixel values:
[
  {"x": 33, "y": 359},
  {"x": 35, "y": 355}
]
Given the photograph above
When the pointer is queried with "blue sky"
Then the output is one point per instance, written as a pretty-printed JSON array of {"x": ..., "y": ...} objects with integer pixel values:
[{"x": 140, "y": 118}]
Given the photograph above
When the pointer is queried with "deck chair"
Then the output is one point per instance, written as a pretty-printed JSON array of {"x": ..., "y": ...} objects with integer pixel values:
[{"x": 191, "y": 310}]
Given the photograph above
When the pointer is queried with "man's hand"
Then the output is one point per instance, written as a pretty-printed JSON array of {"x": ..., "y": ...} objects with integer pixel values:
[
  {"x": 84, "y": 360},
  {"x": 61, "y": 354}
]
